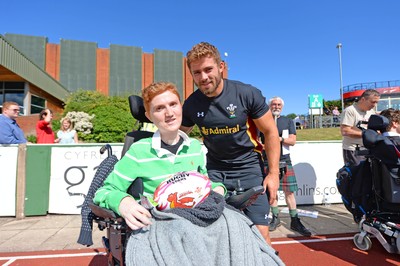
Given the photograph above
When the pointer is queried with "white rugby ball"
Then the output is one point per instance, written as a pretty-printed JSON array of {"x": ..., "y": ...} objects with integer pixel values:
[{"x": 182, "y": 190}]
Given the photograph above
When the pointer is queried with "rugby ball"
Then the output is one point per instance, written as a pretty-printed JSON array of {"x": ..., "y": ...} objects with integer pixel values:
[{"x": 182, "y": 190}]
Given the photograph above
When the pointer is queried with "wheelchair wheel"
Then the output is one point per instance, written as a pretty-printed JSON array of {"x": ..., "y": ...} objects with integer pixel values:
[{"x": 365, "y": 244}]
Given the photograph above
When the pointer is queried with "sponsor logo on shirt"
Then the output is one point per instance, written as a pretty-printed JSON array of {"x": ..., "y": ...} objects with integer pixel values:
[{"x": 220, "y": 131}]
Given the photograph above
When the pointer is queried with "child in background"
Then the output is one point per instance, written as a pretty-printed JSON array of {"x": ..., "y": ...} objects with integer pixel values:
[{"x": 66, "y": 134}]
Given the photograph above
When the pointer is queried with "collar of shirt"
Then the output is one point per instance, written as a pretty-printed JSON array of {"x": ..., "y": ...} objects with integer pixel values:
[
  {"x": 390, "y": 133},
  {"x": 9, "y": 120},
  {"x": 156, "y": 143}
]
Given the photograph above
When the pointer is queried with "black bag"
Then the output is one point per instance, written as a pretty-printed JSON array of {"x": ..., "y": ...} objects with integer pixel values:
[{"x": 354, "y": 183}]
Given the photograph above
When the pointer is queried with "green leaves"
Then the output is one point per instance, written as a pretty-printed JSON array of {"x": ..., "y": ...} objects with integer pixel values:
[{"x": 112, "y": 118}]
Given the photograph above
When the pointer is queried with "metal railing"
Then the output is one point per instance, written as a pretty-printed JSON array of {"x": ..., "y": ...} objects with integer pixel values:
[{"x": 371, "y": 85}]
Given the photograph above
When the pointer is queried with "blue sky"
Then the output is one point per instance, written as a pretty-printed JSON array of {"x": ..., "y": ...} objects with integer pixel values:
[{"x": 285, "y": 48}]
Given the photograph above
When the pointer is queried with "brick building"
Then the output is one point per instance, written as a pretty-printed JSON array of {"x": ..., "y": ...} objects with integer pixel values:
[{"x": 37, "y": 74}]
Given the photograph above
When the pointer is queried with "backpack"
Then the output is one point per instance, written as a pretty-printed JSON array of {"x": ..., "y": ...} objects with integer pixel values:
[{"x": 354, "y": 183}]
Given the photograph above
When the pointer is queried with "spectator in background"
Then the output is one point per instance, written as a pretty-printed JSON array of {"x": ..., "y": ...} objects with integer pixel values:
[
  {"x": 44, "y": 132},
  {"x": 352, "y": 136},
  {"x": 10, "y": 132},
  {"x": 336, "y": 114},
  {"x": 67, "y": 134},
  {"x": 288, "y": 182}
]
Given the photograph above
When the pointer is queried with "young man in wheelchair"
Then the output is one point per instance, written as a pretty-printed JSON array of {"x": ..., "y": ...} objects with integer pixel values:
[{"x": 153, "y": 159}]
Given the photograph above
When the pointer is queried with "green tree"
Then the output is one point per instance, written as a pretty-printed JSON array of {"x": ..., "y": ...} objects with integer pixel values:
[
  {"x": 329, "y": 105},
  {"x": 291, "y": 116},
  {"x": 112, "y": 118}
]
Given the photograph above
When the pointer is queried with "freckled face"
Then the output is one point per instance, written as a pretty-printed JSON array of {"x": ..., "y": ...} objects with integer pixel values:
[{"x": 166, "y": 112}]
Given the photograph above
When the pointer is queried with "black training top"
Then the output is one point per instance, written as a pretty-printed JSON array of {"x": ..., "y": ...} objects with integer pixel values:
[
  {"x": 282, "y": 123},
  {"x": 226, "y": 124},
  {"x": 285, "y": 123}
]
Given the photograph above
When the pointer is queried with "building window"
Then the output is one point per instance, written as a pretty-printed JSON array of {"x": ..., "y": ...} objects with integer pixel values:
[
  {"x": 382, "y": 105},
  {"x": 388, "y": 102},
  {"x": 37, "y": 104},
  {"x": 395, "y": 103},
  {"x": 12, "y": 92}
]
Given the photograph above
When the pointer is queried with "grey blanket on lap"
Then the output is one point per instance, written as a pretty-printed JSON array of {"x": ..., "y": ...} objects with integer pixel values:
[{"x": 212, "y": 236}]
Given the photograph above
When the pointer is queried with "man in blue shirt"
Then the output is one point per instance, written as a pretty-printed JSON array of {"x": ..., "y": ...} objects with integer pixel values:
[{"x": 10, "y": 132}]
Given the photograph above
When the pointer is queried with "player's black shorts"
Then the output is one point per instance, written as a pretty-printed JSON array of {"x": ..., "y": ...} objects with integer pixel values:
[{"x": 259, "y": 210}]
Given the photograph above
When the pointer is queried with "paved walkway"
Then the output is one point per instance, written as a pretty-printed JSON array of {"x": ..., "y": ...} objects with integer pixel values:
[{"x": 60, "y": 232}]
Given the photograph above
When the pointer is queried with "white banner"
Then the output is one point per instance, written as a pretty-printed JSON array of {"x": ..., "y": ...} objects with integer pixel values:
[
  {"x": 72, "y": 171},
  {"x": 73, "y": 168},
  {"x": 8, "y": 179},
  {"x": 315, "y": 165}
]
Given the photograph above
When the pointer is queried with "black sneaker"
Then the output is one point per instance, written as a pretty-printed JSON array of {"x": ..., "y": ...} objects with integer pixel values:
[
  {"x": 297, "y": 226},
  {"x": 275, "y": 222}
]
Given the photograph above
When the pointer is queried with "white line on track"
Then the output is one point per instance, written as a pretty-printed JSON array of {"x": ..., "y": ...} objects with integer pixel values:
[
  {"x": 311, "y": 240},
  {"x": 12, "y": 259}
]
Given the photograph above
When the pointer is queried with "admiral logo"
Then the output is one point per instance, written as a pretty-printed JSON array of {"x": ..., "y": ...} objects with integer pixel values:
[{"x": 220, "y": 131}]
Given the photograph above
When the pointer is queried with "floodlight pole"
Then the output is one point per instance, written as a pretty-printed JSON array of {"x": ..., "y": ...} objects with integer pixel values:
[{"x": 339, "y": 46}]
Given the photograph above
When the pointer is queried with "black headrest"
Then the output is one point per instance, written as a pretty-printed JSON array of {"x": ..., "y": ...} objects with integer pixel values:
[
  {"x": 378, "y": 122},
  {"x": 137, "y": 108},
  {"x": 371, "y": 138}
]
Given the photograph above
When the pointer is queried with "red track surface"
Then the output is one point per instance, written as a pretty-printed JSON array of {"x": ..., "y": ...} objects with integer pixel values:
[{"x": 318, "y": 250}]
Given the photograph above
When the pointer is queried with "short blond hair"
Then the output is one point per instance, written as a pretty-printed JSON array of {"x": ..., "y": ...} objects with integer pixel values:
[
  {"x": 201, "y": 50},
  {"x": 71, "y": 126}
]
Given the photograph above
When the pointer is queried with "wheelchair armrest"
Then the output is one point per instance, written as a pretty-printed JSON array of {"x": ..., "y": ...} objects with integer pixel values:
[
  {"x": 102, "y": 212},
  {"x": 244, "y": 199},
  {"x": 364, "y": 152}
]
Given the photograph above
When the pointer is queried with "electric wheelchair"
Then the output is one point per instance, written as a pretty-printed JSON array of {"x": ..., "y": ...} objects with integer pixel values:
[
  {"x": 117, "y": 232},
  {"x": 370, "y": 191}
]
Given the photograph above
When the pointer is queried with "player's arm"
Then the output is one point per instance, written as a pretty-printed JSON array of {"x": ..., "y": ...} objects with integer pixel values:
[{"x": 266, "y": 125}]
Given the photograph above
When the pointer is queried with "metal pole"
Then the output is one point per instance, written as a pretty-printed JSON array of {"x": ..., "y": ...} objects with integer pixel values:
[{"x": 339, "y": 46}]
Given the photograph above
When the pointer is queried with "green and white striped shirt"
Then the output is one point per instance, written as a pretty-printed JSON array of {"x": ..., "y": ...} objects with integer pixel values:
[{"x": 147, "y": 160}]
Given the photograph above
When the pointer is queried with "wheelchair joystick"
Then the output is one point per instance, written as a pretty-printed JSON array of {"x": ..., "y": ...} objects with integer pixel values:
[{"x": 239, "y": 189}]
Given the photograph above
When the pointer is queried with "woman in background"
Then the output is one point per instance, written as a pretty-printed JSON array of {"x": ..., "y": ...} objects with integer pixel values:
[
  {"x": 44, "y": 132},
  {"x": 67, "y": 134}
]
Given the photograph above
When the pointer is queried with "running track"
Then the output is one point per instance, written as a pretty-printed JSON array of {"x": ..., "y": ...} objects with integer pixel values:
[{"x": 318, "y": 250}]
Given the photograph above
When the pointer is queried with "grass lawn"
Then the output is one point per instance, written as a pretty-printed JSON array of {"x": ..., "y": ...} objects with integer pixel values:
[{"x": 329, "y": 133}]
